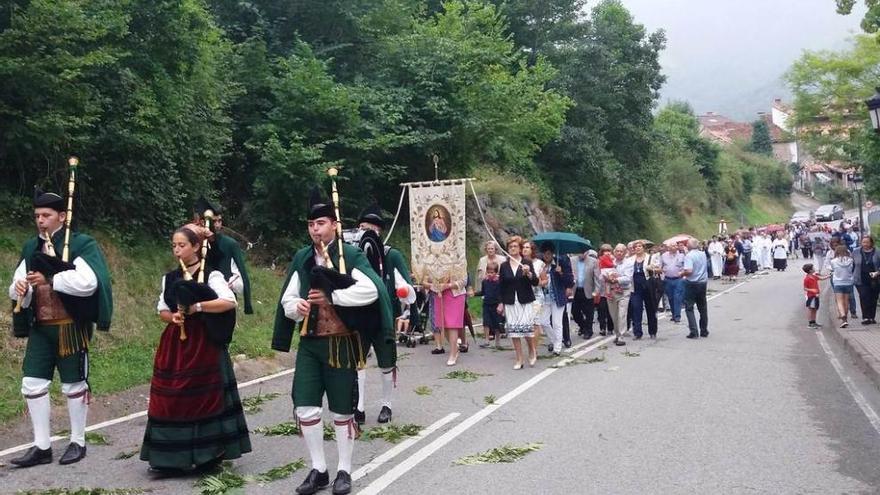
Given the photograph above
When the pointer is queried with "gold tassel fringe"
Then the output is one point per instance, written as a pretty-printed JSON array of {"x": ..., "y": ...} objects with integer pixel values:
[{"x": 71, "y": 339}]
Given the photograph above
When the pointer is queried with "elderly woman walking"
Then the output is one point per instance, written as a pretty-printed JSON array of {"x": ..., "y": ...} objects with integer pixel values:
[
  {"x": 518, "y": 277},
  {"x": 867, "y": 264},
  {"x": 492, "y": 256},
  {"x": 618, "y": 286}
]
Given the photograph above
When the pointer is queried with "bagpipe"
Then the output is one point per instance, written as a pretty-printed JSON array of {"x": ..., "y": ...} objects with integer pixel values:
[
  {"x": 188, "y": 292},
  {"x": 371, "y": 244}
]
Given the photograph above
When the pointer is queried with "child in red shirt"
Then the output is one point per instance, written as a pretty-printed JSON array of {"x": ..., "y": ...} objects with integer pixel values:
[{"x": 811, "y": 287}]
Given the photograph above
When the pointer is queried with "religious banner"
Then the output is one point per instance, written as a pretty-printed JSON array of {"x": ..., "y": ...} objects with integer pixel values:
[{"x": 437, "y": 231}]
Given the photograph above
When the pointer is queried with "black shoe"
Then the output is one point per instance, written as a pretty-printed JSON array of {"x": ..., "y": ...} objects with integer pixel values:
[
  {"x": 213, "y": 466},
  {"x": 342, "y": 484},
  {"x": 693, "y": 336},
  {"x": 637, "y": 337},
  {"x": 33, "y": 456},
  {"x": 313, "y": 482},
  {"x": 158, "y": 473},
  {"x": 384, "y": 415},
  {"x": 619, "y": 342},
  {"x": 588, "y": 336},
  {"x": 360, "y": 417},
  {"x": 438, "y": 351},
  {"x": 653, "y": 336},
  {"x": 866, "y": 322},
  {"x": 549, "y": 347},
  {"x": 463, "y": 348},
  {"x": 74, "y": 453},
  {"x": 602, "y": 333},
  {"x": 704, "y": 334},
  {"x": 567, "y": 344}
]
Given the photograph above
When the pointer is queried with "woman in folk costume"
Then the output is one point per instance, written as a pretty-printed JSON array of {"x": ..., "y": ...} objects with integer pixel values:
[
  {"x": 731, "y": 261},
  {"x": 333, "y": 306},
  {"x": 58, "y": 304},
  {"x": 716, "y": 256},
  {"x": 195, "y": 418}
]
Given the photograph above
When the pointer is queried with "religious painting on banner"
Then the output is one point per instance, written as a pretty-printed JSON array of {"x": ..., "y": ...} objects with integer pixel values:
[{"x": 437, "y": 232}]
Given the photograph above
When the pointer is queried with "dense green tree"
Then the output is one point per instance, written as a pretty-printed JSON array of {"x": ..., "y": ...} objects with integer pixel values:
[
  {"x": 761, "y": 142},
  {"x": 871, "y": 20},
  {"x": 830, "y": 89}
]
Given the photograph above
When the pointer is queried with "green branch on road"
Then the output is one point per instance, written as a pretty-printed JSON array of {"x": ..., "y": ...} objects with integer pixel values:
[
  {"x": 391, "y": 433},
  {"x": 466, "y": 376},
  {"x": 255, "y": 404},
  {"x": 503, "y": 454}
]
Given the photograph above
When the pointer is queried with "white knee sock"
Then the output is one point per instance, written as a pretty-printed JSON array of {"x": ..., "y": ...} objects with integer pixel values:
[
  {"x": 77, "y": 409},
  {"x": 387, "y": 386},
  {"x": 362, "y": 386},
  {"x": 39, "y": 411},
  {"x": 36, "y": 392},
  {"x": 313, "y": 433},
  {"x": 345, "y": 432}
]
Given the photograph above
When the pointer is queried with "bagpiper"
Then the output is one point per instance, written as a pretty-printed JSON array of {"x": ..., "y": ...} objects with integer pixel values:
[
  {"x": 332, "y": 294},
  {"x": 59, "y": 301},
  {"x": 225, "y": 254},
  {"x": 396, "y": 278}
]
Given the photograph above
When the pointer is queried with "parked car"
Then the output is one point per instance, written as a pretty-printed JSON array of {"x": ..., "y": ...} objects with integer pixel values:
[
  {"x": 828, "y": 213},
  {"x": 802, "y": 216}
]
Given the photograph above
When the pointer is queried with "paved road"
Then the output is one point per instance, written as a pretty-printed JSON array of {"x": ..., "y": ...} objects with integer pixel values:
[{"x": 755, "y": 408}]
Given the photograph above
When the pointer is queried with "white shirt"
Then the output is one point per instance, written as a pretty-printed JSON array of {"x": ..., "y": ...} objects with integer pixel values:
[
  {"x": 79, "y": 282},
  {"x": 362, "y": 293}
]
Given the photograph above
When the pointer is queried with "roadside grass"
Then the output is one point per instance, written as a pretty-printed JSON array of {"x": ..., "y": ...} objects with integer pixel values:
[{"x": 123, "y": 358}]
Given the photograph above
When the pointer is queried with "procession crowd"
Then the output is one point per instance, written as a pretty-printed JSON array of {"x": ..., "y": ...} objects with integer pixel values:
[{"x": 350, "y": 300}]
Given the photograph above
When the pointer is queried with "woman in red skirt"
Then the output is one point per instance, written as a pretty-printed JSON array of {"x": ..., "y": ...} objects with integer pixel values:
[{"x": 195, "y": 418}]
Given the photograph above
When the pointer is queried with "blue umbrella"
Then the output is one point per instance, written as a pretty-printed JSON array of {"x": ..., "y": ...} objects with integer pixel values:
[{"x": 564, "y": 242}]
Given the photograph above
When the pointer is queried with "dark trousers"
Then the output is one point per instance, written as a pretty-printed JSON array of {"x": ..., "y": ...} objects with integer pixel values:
[
  {"x": 747, "y": 261},
  {"x": 583, "y": 311},
  {"x": 695, "y": 293},
  {"x": 566, "y": 328},
  {"x": 605, "y": 324},
  {"x": 643, "y": 297},
  {"x": 868, "y": 294}
]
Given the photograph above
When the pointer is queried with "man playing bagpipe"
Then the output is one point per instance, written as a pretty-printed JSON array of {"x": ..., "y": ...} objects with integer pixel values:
[
  {"x": 390, "y": 265},
  {"x": 333, "y": 307},
  {"x": 225, "y": 253},
  {"x": 58, "y": 304}
]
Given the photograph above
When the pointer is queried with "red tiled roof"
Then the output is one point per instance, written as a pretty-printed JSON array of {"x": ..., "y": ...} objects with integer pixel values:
[{"x": 723, "y": 129}]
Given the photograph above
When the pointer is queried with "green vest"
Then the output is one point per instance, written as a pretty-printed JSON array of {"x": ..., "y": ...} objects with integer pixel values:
[
  {"x": 354, "y": 258},
  {"x": 81, "y": 246}
]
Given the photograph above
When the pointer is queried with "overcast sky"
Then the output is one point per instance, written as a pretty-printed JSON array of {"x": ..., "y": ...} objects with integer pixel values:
[{"x": 728, "y": 56}]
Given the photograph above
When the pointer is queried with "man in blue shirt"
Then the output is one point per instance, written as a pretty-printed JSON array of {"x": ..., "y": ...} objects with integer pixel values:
[{"x": 696, "y": 279}]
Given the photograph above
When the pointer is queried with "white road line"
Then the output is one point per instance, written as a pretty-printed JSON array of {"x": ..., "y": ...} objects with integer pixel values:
[
  {"x": 392, "y": 453},
  {"x": 399, "y": 470},
  {"x": 141, "y": 414},
  {"x": 863, "y": 404},
  {"x": 412, "y": 461}
]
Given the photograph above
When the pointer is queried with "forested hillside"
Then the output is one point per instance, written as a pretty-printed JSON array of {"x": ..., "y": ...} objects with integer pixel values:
[{"x": 249, "y": 102}]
